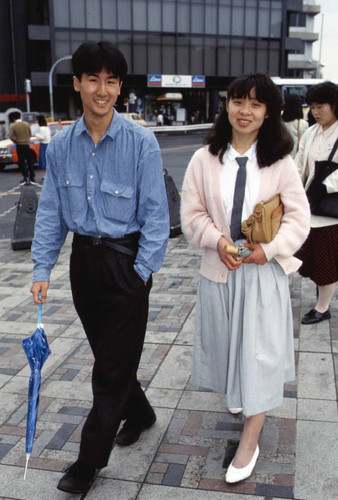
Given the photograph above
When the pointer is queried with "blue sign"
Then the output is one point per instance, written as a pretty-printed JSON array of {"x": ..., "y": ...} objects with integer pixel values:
[
  {"x": 198, "y": 81},
  {"x": 154, "y": 80}
]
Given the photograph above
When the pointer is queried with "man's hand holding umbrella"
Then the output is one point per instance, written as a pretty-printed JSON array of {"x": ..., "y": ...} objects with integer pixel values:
[{"x": 39, "y": 291}]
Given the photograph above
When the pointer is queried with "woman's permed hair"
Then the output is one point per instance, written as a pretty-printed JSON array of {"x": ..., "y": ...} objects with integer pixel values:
[
  {"x": 273, "y": 141},
  {"x": 92, "y": 57},
  {"x": 324, "y": 93}
]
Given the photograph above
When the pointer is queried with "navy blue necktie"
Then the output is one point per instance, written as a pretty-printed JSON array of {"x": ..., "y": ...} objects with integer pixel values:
[{"x": 236, "y": 216}]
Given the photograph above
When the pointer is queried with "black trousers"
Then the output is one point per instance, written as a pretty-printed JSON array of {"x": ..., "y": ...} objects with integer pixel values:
[
  {"x": 25, "y": 161},
  {"x": 112, "y": 303}
]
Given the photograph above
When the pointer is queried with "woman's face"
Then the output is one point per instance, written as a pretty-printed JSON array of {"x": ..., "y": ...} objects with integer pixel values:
[
  {"x": 246, "y": 115},
  {"x": 323, "y": 114}
]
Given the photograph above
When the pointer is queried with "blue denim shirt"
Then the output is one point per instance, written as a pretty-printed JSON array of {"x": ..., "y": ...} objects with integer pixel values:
[{"x": 108, "y": 190}]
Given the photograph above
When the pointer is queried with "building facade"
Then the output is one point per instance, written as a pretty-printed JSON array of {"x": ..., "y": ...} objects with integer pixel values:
[{"x": 181, "y": 53}]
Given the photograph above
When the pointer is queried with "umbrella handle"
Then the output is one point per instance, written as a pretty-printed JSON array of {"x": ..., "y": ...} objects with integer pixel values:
[{"x": 40, "y": 310}]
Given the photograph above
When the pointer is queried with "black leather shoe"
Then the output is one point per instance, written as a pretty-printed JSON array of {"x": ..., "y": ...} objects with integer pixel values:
[
  {"x": 78, "y": 478},
  {"x": 314, "y": 316},
  {"x": 131, "y": 432}
]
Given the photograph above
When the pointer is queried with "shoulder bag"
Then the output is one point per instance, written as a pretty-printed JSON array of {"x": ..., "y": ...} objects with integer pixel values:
[
  {"x": 263, "y": 224},
  {"x": 321, "y": 202}
]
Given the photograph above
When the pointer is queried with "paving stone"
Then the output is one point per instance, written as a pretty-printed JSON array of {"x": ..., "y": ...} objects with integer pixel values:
[{"x": 186, "y": 446}]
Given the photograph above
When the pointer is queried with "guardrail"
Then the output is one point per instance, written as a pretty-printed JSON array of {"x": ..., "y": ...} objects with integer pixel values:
[{"x": 178, "y": 129}]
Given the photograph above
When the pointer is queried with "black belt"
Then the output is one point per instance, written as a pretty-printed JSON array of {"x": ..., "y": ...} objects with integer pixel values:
[{"x": 127, "y": 245}]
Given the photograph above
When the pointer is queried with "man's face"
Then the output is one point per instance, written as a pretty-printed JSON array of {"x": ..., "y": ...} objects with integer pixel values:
[{"x": 99, "y": 92}]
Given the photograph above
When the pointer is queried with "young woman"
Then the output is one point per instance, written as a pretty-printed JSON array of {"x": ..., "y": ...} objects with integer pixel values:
[
  {"x": 243, "y": 330},
  {"x": 293, "y": 120},
  {"x": 319, "y": 252},
  {"x": 44, "y": 136}
]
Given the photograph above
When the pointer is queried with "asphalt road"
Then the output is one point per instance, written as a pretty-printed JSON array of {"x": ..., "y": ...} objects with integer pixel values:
[{"x": 176, "y": 153}]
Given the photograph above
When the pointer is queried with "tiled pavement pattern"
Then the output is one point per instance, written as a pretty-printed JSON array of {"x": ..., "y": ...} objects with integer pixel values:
[{"x": 181, "y": 456}]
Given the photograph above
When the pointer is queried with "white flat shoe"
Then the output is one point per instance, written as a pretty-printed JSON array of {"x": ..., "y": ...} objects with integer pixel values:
[
  {"x": 234, "y": 475},
  {"x": 235, "y": 411}
]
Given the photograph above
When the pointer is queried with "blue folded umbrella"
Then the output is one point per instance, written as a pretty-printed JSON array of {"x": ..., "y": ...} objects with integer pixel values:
[{"x": 37, "y": 351}]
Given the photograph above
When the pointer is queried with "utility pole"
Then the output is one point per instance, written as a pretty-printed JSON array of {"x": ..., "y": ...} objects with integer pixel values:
[{"x": 65, "y": 58}]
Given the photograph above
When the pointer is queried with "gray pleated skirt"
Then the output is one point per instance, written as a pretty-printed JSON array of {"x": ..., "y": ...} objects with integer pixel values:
[{"x": 243, "y": 343}]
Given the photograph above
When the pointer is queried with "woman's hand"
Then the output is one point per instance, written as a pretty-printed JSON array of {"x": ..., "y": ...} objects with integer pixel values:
[
  {"x": 227, "y": 258},
  {"x": 257, "y": 256}
]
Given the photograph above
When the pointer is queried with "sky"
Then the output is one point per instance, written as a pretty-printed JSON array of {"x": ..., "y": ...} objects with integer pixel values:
[{"x": 330, "y": 38}]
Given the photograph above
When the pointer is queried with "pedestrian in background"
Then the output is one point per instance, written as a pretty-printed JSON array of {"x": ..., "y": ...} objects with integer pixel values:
[
  {"x": 293, "y": 119},
  {"x": 243, "y": 344},
  {"x": 104, "y": 182},
  {"x": 320, "y": 251},
  {"x": 43, "y": 135},
  {"x": 20, "y": 133}
]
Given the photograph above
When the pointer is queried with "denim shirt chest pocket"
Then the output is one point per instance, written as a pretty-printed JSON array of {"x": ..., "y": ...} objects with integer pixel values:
[
  {"x": 72, "y": 194},
  {"x": 119, "y": 201}
]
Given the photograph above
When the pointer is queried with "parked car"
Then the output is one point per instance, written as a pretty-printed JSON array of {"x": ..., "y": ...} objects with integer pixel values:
[
  {"x": 134, "y": 117},
  {"x": 8, "y": 154}
]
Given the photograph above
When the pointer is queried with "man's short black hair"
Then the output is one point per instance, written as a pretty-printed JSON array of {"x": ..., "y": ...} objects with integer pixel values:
[{"x": 92, "y": 57}]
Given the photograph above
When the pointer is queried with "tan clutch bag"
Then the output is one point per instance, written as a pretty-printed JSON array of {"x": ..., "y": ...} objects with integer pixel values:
[{"x": 263, "y": 224}]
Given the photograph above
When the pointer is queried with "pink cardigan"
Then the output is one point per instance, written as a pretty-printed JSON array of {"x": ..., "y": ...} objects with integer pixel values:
[{"x": 204, "y": 219}]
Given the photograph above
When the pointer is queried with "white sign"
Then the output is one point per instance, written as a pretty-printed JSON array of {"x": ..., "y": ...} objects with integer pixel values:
[{"x": 182, "y": 81}]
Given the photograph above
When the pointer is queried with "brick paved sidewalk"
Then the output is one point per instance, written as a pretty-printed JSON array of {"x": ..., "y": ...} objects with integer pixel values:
[{"x": 181, "y": 456}]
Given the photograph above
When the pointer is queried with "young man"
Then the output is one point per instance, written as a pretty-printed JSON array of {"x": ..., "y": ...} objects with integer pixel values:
[
  {"x": 20, "y": 133},
  {"x": 104, "y": 182}
]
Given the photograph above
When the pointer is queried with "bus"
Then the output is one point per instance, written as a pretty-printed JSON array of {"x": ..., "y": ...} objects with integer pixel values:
[{"x": 297, "y": 86}]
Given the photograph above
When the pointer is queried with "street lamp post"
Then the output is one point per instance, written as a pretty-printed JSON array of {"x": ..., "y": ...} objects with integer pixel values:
[
  {"x": 65, "y": 58},
  {"x": 320, "y": 48}
]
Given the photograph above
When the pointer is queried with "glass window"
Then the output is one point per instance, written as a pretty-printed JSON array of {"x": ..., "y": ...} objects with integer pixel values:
[
  {"x": 210, "y": 57},
  {"x": 76, "y": 38},
  {"x": 124, "y": 44},
  {"x": 249, "y": 56},
  {"x": 236, "y": 57},
  {"x": 61, "y": 14},
  {"x": 183, "y": 56},
  {"x": 276, "y": 20},
  {"x": 77, "y": 14},
  {"x": 154, "y": 56},
  {"x": 183, "y": 16},
  {"x": 197, "y": 16},
  {"x": 211, "y": 17},
  {"x": 139, "y": 55},
  {"x": 262, "y": 56},
  {"x": 109, "y": 14},
  {"x": 274, "y": 58},
  {"x": 238, "y": 18},
  {"x": 223, "y": 58},
  {"x": 250, "y": 18},
  {"x": 93, "y": 14},
  {"x": 197, "y": 56},
  {"x": 169, "y": 59},
  {"x": 169, "y": 15},
  {"x": 224, "y": 17},
  {"x": 139, "y": 15},
  {"x": 123, "y": 14},
  {"x": 264, "y": 18},
  {"x": 154, "y": 15}
]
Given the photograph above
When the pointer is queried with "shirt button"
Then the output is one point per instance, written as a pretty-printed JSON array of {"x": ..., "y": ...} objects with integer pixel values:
[
  {"x": 93, "y": 154},
  {"x": 67, "y": 182},
  {"x": 88, "y": 198},
  {"x": 117, "y": 191},
  {"x": 91, "y": 177}
]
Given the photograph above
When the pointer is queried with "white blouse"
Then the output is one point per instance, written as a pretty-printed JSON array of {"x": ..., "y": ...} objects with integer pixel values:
[{"x": 229, "y": 169}]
